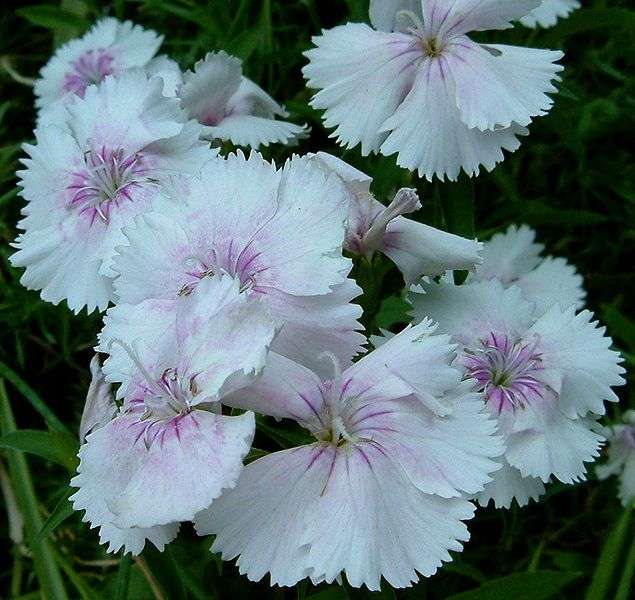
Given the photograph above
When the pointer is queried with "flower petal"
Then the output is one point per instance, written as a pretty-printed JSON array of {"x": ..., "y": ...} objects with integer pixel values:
[
  {"x": 419, "y": 249},
  {"x": 363, "y": 76},
  {"x": 576, "y": 346},
  {"x": 125, "y": 483},
  {"x": 507, "y": 485},
  {"x": 498, "y": 85},
  {"x": 427, "y": 133},
  {"x": 384, "y": 13},
  {"x": 206, "y": 90},
  {"x": 460, "y": 16},
  {"x": 548, "y": 12},
  {"x": 253, "y": 131}
]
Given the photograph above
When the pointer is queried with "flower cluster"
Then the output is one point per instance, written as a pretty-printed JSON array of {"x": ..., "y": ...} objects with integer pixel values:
[{"x": 228, "y": 289}]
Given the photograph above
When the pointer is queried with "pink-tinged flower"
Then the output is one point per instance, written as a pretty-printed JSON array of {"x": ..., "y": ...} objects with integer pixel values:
[
  {"x": 399, "y": 440},
  {"x": 548, "y": 13},
  {"x": 231, "y": 107},
  {"x": 86, "y": 181},
  {"x": 514, "y": 258},
  {"x": 109, "y": 48},
  {"x": 100, "y": 406},
  {"x": 544, "y": 375},
  {"x": 415, "y": 248},
  {"x": 418, "y": 86},
  {"x": 169, "y": 452},
  {"x": 621, "y": 459},
  {"x": 279, "y": 232}
]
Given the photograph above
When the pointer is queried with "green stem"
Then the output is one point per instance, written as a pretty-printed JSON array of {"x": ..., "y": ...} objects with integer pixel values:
[
  {"x": 46, "y": 568},
  {"x": 123, "y": 578}
]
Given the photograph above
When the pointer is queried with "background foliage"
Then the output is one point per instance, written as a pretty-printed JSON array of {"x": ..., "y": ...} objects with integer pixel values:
[{"x": 572, "y": 180}]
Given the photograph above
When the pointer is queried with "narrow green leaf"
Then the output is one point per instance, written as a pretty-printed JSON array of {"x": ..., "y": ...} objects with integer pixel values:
[
  {"x": 609, "y": 558},
  {"x": 538, "y": 585},
  {"x": 625, "y": 586},
  {"x": 392, "y": 310},
  {"x": 52, "y": 17},
  {"x": 458, "y": 207},
  {"x": 52, "y": 445},
  {"x": 44, "y": 563},
  {"x": 62, "y": 511},
  {"x": 123, "y": 578},
  {"x": 32, "y": 396}
]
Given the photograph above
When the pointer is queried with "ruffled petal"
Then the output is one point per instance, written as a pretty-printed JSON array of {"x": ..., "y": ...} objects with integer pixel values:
[
  {"x": 253, "y": 131},
  {"x": 544, "y": 442},
  {"x": 428, "y": 135},
  {"x": 538, "y": 285},
  {"x": 470, "y": 312},
  {"x": 414, "y": 362},
  {"x": 575, "y": 345},
  {"x": 422, "y": 443},
  {"x": 133, "y": 539},
  {"x": 384, "y": 13},
  {"x": 136, "y": 474},
  {"x": 284, "y": 390},
  {"x": 263, "y": 519},
  {"x": 206, "y": 90},
  {"x": 498, "y": 85},
  {"x": 548, "y": 13},
  {"x": 168, "y": 70},
  {"x": 100, "y": 407},
  {"x": 419, "y": 249},
  {"x": 443, "y": 19},
  {"x": 363, "y": 76},
  {"x": 508, "y": 485},
  {"x": 510, "y": 255},
  {"x": 334, "y": 511},
  {"x": 313, "y": 325}
]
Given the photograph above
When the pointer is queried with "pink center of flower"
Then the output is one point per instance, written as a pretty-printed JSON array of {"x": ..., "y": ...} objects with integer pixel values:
[
  {"x": 90, "y": 68},
  {"x": 508, "y": 373},
  {"x": 107, "y": 179}
]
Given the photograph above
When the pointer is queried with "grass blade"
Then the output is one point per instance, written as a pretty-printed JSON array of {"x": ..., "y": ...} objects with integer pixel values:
[
  {"x": 46, "y": 568},
  {"x": 123, "y": 577}
]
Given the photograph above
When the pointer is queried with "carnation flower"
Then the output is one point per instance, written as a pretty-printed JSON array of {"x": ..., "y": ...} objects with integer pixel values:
[
  {"x": 109, "y": 48},
  {"x": 169, "y": 452},
  {"x": 543, "y": 375},
  {"x": 415, "y": 248},
  {"x": 621, "y": 460},
  {"x": 418, "y": 86},
  {"x": 399, "y": 440},
  {"x": 548, "y": 12},
  {"x": 279, "y": 232},
  {"x": 232, "y": 107},
  {"x": 513, "y": 258},
  {"x": 85, "y": 181}
]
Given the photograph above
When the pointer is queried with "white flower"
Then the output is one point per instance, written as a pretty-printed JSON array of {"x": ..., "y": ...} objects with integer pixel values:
[
  {"x": 513, "y": 258},
  {"x": 279, "y": 232},
  {"x": 418, "y": 86},
  {"x": 415, "y": 248},
  {"x": 109, "y": 48},
  {"x": 380, "y": 493},
  {"x": 232, "y": 107},
  {"x": 86, "y": 181},
  {"x": 548, "y": 12},
  {"x": 169, "y": 452},
  {"x": 545, "y": 376},
  {"x": 621, "y": 460}
]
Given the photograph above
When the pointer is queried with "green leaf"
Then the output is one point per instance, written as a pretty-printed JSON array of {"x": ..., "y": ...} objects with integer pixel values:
[
  {"x": 34, "y": 399},
  {"x": 44, "y": 560},
  {"x": 458, "y": 207},
  {"x": 123, "y": 578},
  {"x": 52, "y": 17},
  {"x": 610, "y": 557},
  {"x": 538, "y": 585},
  {"x": 625, "y": 587},
  {"x": 393, "y": 310},
  {"x": 57, "y": 447},
  {"x": 62, "y": 511}
]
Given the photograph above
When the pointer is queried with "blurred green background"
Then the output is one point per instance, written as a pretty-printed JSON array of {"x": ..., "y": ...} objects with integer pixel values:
[{"x": 572, "y": 180}]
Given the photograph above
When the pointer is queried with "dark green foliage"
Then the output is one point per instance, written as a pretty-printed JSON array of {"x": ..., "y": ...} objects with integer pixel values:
[{"x": 572, "y": 179}]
